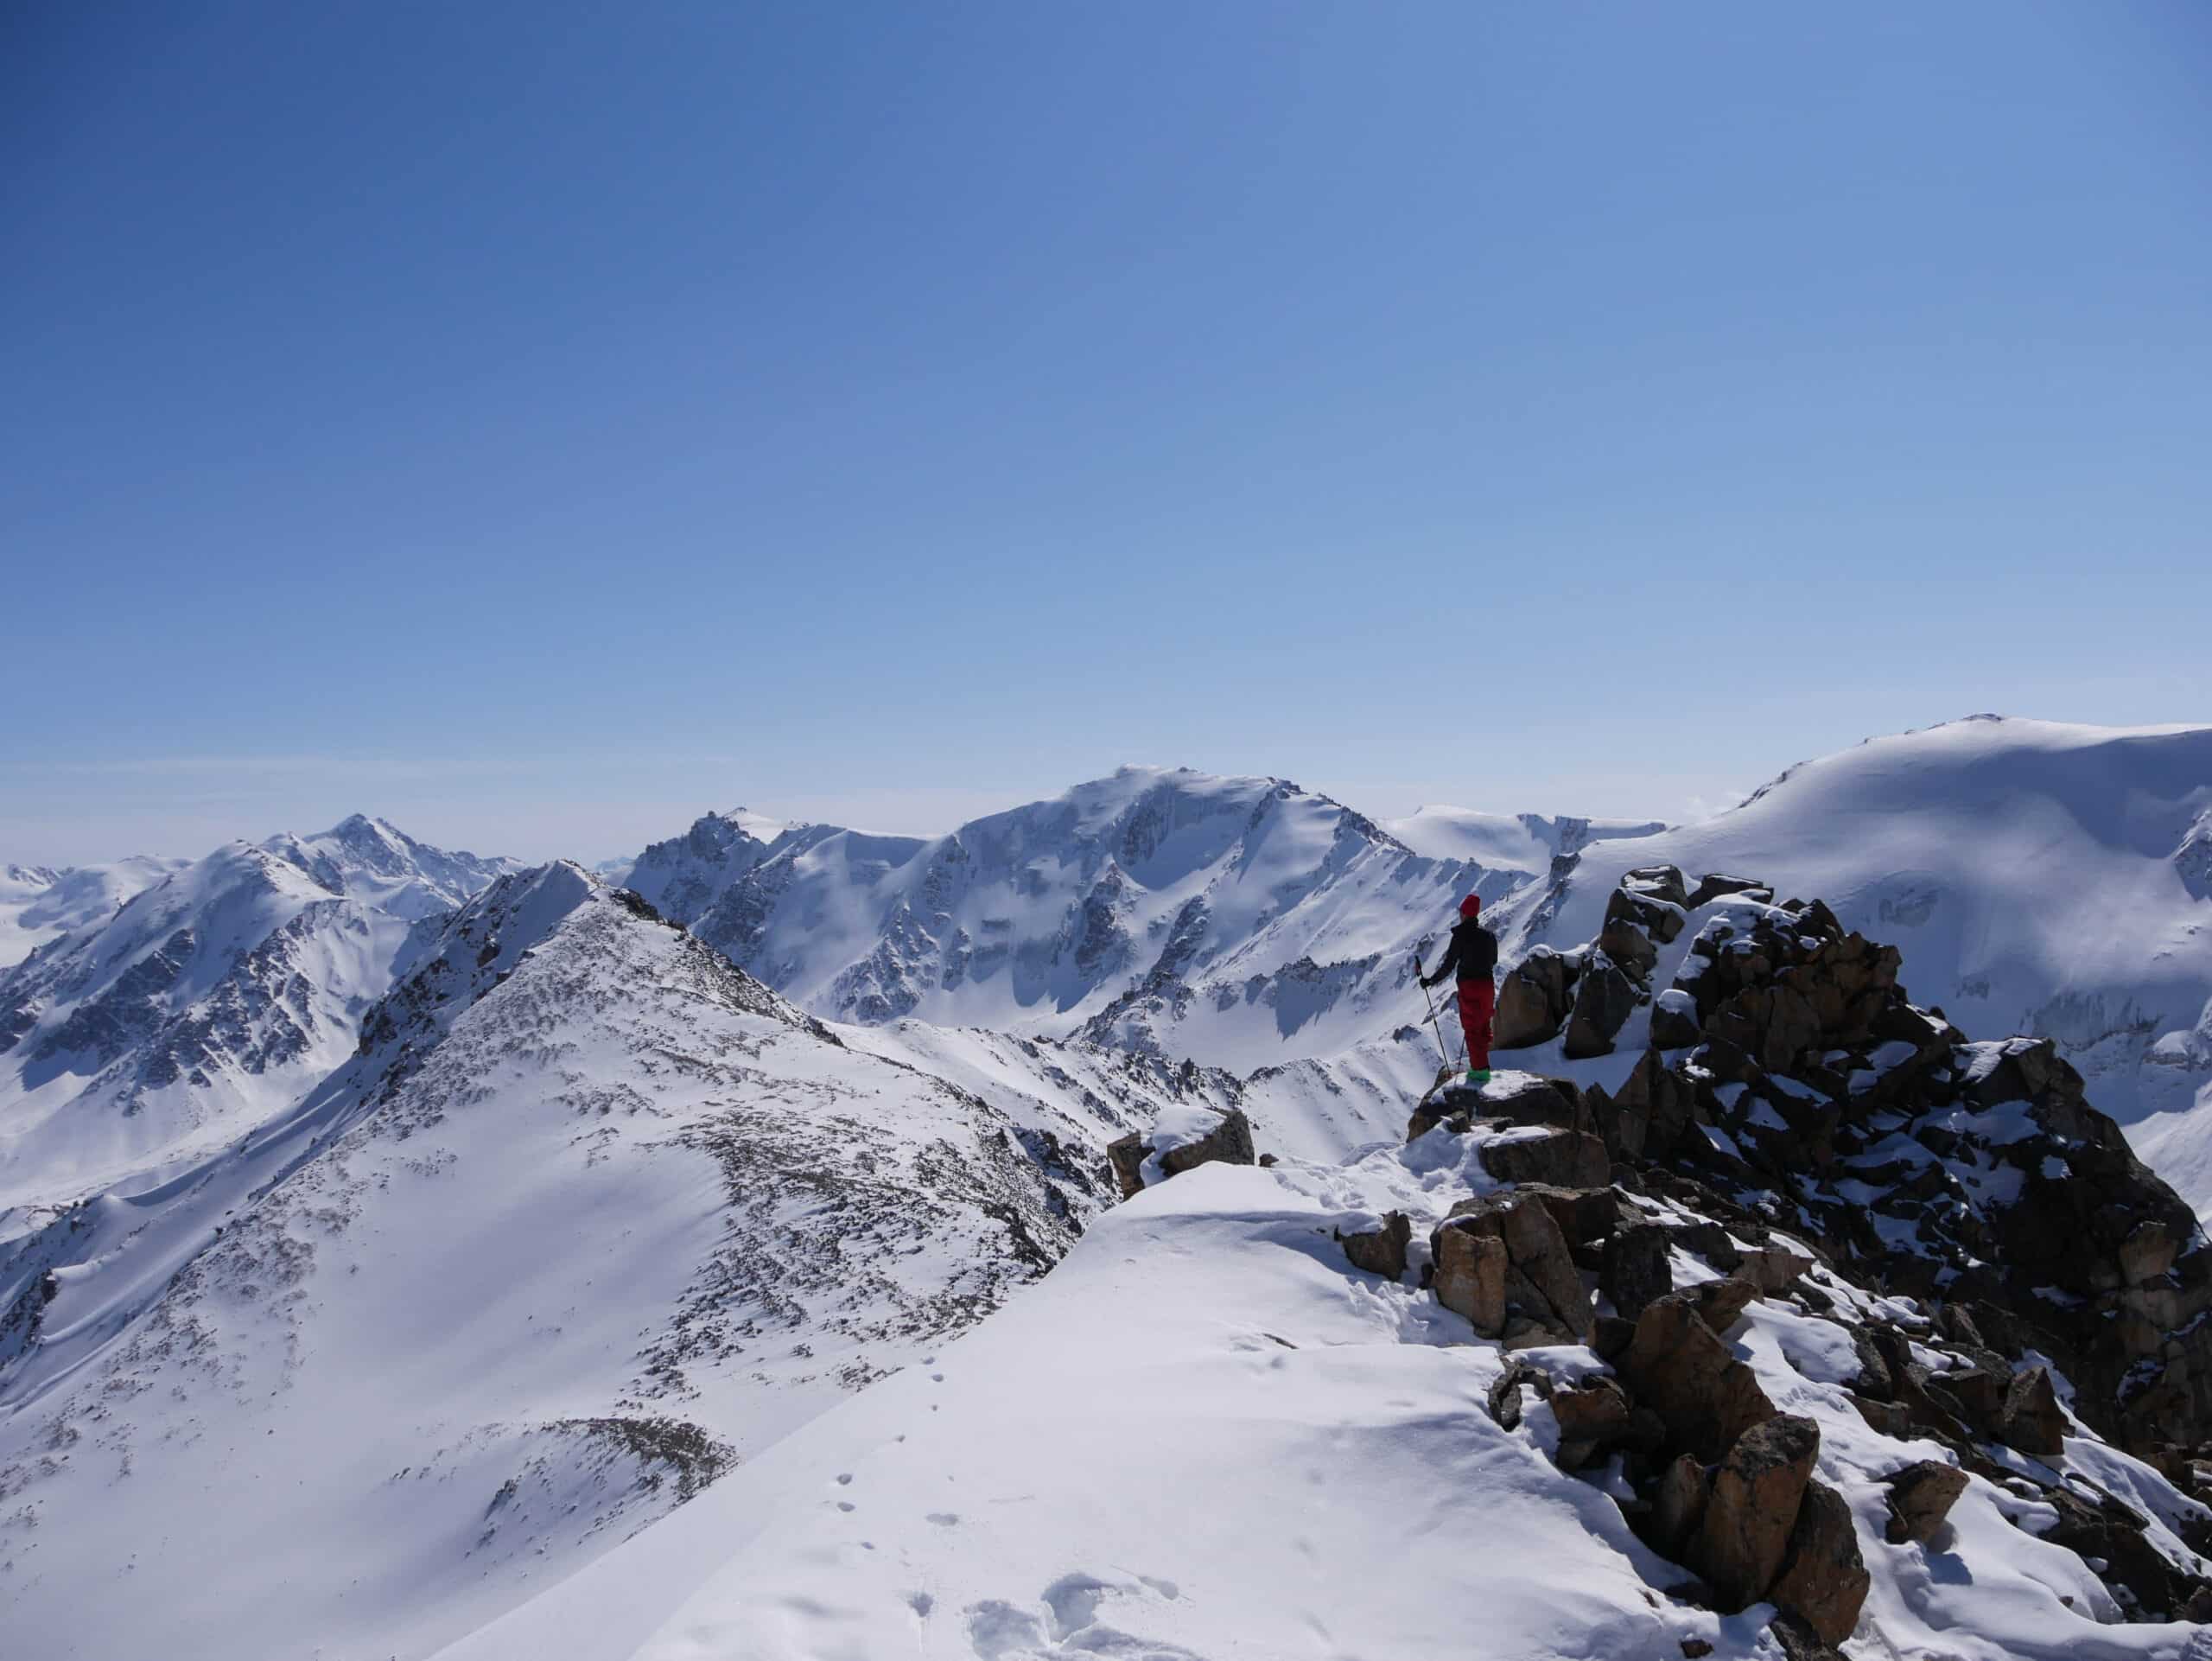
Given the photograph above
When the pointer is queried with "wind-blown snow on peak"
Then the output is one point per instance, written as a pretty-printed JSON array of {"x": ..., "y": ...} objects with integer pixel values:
[
  {"x": 1520, "y": 841},
  {"x": 685, "y": 874}
]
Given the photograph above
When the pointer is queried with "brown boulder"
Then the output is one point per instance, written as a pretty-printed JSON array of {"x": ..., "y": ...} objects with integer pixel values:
[
  {"x": 1677, "y": 1367},
  {"x": 1471, "y": 1276},
  {"x": 1824, "y": 1579},
  {"x": 1921, "y": 1497},
  {"x": 1568, "y": 1159},
  {"x": 1533, "y": 1001},
  {"x": 1542, "y": 1287},
  {"x": 1774, "y": 1270},
  {"x": 1382, "y": 1252},
  {"x": 1720, "y": 1304},
  {"x": 1741, "y": 1544},
  {"x": 1592, "y": 1418},
  {"x": 2033, "y": 1421}
]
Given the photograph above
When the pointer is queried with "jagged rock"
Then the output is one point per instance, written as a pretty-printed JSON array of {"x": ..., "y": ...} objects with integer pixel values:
[
  {"x": 1533, "y": 1001},
  {"x": 1677, "y": 1367},
  {"x": 1677, "y": 1507},
  {"x": 1774, "y": 1270},
  {"x": 1920, "y": 1499},
  {"x": 2148, "y": 1251},
  {"x": 1628, "y": 945},
  {"x": 1659, "y": 1100},
  {"x": 1634, "y": 1270},
  {"x": 1525, "y": 1098},
  {"x": 1603, "y": 1000},
  {"x": 1716, "y": 886},
  {"x": 1664, "y": 883},
  {"x": 1570, "y": 1159},
  {"x": 1592, "y": 1417},
  {"x": 1229, "y": 1143},
  {"x": 1426, "y": 1118},
  {"x": 2033, "y": 1421},
  {"x": 1824, "y": 1578},
  {"x": 1721, "y": 1303},
  {"x": 1541, "y": 1284},
  {"x": 1584, "y": 1215},
  {"x": 1982, "y": 1395},
  {"x": 1471, "y": 1277},
  {"x": 1382, "y": 1252},
  {"x": 1674, "y": 1019},
  {"x": 1745, "y": 1537}
]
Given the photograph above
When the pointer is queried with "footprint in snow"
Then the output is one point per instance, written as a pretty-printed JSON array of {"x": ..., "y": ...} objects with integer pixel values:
[{"x": 1068, "y": 1623}]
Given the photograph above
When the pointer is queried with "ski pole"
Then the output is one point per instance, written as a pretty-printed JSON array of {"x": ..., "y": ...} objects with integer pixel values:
[{"x": 1434, "y": 1026}]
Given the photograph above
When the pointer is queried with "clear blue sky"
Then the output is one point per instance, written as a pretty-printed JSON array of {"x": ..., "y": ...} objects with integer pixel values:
[{"x": 538, "y": 422}]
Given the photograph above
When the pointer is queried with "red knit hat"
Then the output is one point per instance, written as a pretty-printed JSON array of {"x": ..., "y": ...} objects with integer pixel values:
[{"x": 1471, "y": 906}]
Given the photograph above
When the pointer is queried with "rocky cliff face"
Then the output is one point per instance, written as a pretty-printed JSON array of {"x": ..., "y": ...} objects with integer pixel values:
[{"x": 2008, "y": 1275}]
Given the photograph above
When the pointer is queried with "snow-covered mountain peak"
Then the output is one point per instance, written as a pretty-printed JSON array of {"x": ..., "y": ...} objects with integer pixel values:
[
  {"x": 374, "y": 861},
  {"x": 685, "y": 874}
]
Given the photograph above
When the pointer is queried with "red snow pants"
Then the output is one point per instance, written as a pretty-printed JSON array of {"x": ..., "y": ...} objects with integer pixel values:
[{"x": 1477, "y": 1000}]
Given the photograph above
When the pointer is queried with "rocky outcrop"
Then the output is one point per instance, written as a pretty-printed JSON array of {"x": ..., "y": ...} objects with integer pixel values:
[
  {"x": 1528, "y": 1290},
  {"x": 1230, "y": 1141},
  {"x": 1677, "y": 1366},
  {"x": 1533, "y": 1000},
  {"x": 1744, "y": 1537},
  {"x": 1570, "y": 1159}
]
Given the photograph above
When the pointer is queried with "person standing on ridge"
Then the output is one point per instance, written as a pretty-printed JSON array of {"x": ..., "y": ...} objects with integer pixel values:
[{"x": 1472, "y": 956}]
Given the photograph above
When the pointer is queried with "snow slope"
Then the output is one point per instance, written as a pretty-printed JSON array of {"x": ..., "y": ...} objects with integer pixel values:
[
  {"x": 590, "y": 1217},
  {"x": 1243, "y": 921},
  {"x": 2039, "y": 878},
  {"x": 38, "y": 903},
  {"x": 1204, "y": 1436}
]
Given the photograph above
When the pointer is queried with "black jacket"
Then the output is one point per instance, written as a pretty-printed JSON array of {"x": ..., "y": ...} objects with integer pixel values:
[{"x": 1472, "y": 955}]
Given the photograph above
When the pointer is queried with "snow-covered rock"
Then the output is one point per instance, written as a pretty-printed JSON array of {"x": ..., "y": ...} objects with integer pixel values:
[{"x": 2037, "y": 875}]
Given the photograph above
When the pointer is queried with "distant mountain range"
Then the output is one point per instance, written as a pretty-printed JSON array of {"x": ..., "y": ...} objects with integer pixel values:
[{"x": 385, "y": 1230}]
